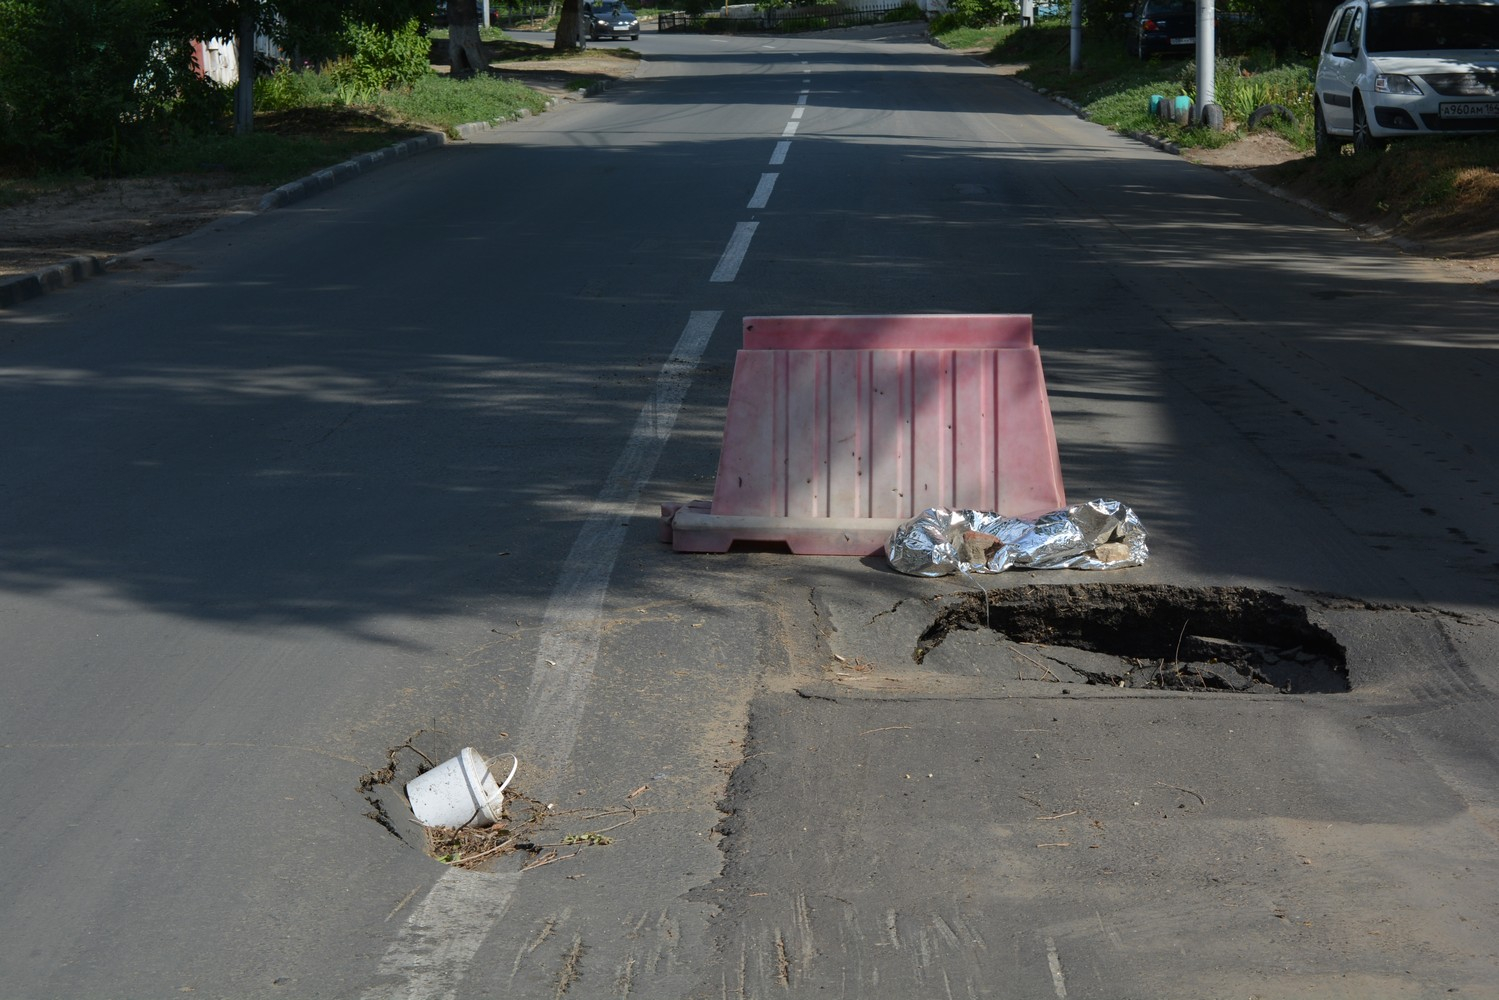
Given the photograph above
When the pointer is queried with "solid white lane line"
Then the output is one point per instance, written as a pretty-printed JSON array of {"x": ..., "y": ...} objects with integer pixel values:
[
  {"x": 761, "y": 197},
  {"x": 778, "y": 156},
  {"x": 733, "y": 254},
  {"x": 570, "y": 629},
  {"x": 1056, "y": 969},
  {"x": 431, "y": 955},
  {"x": 442, "y": 935},
  {"x": 789, "y": 130}
]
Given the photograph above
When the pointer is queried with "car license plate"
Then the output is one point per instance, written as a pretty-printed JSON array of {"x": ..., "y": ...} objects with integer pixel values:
[
  {"x": 1470, "y": 109},
  {"x": 1183, "y": 41}
]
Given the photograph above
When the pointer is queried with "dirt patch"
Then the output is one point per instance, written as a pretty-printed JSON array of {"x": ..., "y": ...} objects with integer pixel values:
[
  {"x": 567, "y": 74},
  {"x": 1255, "y": 149},
  {"x": 114, "y": 217},
  {"x": 547, "y": 72}
]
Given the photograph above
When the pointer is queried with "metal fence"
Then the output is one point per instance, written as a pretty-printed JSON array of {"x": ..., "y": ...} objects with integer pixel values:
[{"x": 788, "y": 19}]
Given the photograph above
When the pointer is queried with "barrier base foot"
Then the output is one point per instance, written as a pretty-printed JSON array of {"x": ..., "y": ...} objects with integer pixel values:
[{"x": 693, "y": 527}]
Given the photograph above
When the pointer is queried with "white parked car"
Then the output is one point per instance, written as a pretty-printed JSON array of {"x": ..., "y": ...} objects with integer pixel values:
[{"x": 1392, "y": 68}]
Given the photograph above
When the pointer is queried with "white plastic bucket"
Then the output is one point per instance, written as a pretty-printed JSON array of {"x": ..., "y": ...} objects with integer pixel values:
[{"x": 461, "y": 791}]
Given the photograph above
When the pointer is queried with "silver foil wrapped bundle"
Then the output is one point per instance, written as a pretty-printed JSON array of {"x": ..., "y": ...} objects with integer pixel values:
[{"x": 1101, "y": 534}]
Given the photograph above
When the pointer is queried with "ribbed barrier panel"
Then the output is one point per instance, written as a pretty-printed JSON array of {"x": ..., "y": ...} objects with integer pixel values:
[{"x": 840, "y": 427}]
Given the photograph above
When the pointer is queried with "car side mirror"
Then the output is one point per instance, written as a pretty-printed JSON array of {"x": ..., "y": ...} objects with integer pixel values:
[{"x": 1343, "y": 49}]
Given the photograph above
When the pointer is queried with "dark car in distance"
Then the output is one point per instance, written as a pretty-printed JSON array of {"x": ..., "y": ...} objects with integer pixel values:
[
  {"x": 1163, "y": 26},
  {"x": 612, "y": 20}
]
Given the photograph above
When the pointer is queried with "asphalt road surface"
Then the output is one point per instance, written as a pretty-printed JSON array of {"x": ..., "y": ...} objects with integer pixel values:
[{"x": 293, "y": 505}]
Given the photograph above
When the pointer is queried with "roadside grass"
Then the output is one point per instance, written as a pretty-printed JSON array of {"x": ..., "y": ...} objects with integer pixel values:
[
  {"x": 305, "y": 128},
  {"x": 1425, "y": 188},
  {"x": 968, "y": 39},
  {"x": 301, "y": 126},
  {"x": 488, "y": 34},
  {"x": 1115, "y": 89},
  {"x": 444, "y": 103},
  {"x": 284, "y": 146}
]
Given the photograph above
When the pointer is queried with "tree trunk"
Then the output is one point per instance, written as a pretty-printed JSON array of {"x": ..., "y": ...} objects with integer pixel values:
[
  {"x": 465, "y": 51},
  {"x": 570, "y": 28},
  {"x": 244, "y": 52}
]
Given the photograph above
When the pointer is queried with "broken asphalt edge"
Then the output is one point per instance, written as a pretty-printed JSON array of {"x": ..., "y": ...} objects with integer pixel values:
[{"x": 55, "y": 277}]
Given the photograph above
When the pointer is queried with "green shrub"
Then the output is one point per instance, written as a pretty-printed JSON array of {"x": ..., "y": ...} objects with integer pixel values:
[
  {"x": 287, "y": 89},
  {"x": 82, "y": 81},
  {"x": 1240, "y": 92},
  {"x": 1037, "y": 43},
  {"x": 979, "y": 13},
  {"x": 445, "y": 102},
  {"x": 378, "y": 60}
]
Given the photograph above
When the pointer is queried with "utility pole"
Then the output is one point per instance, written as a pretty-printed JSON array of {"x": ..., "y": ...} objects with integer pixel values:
[
  {"x": 1208, "y": 112},
  {"x": 1077, "y": 36},
  {"x": 244, "y": 50}
]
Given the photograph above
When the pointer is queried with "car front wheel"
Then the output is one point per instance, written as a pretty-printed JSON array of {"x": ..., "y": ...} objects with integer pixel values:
[
  {"x": 1364, "y": 141},
  {"x": 1326, "y": 143}
]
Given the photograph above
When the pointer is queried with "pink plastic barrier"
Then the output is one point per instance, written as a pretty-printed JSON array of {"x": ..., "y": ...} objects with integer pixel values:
[{"x": 841, "y": 427}]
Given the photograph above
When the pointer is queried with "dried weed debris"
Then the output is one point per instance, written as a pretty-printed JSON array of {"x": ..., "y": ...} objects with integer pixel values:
[{"x": 479, "y": 848}]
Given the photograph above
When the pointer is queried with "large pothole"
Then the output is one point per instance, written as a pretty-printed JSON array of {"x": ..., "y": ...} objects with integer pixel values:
[{"x": 1234, "y": 639}]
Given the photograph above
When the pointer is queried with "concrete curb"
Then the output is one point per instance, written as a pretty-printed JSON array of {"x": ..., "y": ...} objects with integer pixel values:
[
  {"x": 24, "y": 287},
  {"x": 14, "y": 291},
  {"x": 339, "y": 173}
]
